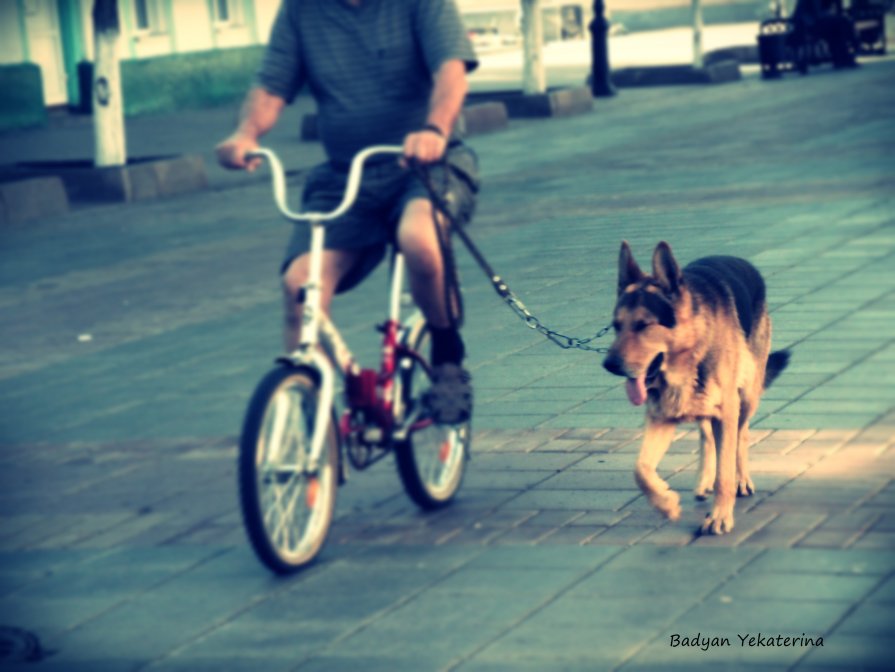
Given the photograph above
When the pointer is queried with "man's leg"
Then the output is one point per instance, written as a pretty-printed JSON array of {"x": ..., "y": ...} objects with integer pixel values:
[
  {"x": 336, "y": 263},
  {"x": 419, "y": 243},
  {"x": 450, "y": 398}
]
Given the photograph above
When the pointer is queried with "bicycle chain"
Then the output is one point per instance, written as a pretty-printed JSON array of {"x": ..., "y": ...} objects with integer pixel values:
[{"x": 503, "y": 290}]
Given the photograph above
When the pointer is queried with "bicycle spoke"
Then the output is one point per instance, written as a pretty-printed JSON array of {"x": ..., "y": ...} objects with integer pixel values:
[
  {"x": 432, "y": 457},
  {"x": 284, "y": 523},
  {"x": 274, "y": 508},
  {"x": 432, "y": 460},
  {"x": 274, "y": 438},
  {"x": 284, "y": 513},
  {"x": 287, "y": 512},
  {"x": 285, "y": 450}
]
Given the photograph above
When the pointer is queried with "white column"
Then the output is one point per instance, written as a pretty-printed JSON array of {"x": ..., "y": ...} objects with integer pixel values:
[
  {"x": 534, "y": 79},
  {"x": 697, "y": 33},
  {"x": 108, "y": 110}
]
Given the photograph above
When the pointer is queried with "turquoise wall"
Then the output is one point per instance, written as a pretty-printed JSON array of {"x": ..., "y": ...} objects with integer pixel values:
[{"x": 22, "y": 102}]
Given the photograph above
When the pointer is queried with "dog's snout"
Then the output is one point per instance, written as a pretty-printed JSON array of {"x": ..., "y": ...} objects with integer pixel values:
[{"x": 614, "y": 365}]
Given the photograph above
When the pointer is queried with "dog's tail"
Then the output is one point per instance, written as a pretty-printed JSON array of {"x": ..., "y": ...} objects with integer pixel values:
[{"x": 777, "y": 361}]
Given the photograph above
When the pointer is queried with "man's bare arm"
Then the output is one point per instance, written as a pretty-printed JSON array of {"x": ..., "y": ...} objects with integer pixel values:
[
  {"x": 259, "y": 114},
  {"x": 448, "y": 95},
  {"x": 445, "y": 105}
]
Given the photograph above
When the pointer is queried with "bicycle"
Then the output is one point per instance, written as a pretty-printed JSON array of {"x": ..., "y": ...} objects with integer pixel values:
[{"x": 292, "y": 449}]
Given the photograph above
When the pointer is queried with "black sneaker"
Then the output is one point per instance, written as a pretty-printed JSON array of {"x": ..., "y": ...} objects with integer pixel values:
[{"x": 449, "y": 400}]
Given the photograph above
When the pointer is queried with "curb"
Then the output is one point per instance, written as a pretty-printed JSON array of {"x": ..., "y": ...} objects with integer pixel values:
[
  {"x": 719, "y": 72},
  {"x": 559, "y": 102},
  {"x": 742, "y": 54},
  {"x": 157, "y": 177},
  {"x": 32, "y": 198},
  {"x": 141, "y": 179},
  {"x": 480, "y": 118}
]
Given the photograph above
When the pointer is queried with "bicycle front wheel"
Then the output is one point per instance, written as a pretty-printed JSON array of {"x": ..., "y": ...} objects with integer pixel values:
[
  {"x": 432, "y": 458},
  {"x": 286, "y": 509}
]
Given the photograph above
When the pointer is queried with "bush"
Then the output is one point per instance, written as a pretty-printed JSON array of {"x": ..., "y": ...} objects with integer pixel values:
[{"x": 181, "y": 81}]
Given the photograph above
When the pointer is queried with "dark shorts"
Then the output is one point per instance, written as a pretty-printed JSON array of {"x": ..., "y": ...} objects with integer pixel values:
[{"x": 386, "y": 189}]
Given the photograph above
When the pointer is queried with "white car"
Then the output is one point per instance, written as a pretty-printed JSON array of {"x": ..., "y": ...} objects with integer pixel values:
[{"x": 485, "y": 39}]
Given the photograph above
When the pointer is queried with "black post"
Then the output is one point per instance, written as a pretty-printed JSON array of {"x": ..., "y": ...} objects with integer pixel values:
[{"x": 601, "y": 77}]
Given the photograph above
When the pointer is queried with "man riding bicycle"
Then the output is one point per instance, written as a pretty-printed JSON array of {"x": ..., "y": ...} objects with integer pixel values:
[{"x": 381, "y": 72}]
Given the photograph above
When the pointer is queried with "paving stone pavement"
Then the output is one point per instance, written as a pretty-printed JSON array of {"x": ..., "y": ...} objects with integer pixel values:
[{"x": 133, "y": 335}]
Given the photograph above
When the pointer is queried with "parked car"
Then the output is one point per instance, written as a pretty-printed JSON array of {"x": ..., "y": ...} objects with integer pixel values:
[{"x": 485, "y": 38}]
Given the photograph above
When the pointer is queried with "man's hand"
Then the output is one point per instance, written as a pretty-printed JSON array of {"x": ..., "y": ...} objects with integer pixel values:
[
  {"x": 424, "y": 146},
  {"x": 232, "y": 152},
  {"x": 429, "y": 144},
  {"x": 258, "y": 115}
]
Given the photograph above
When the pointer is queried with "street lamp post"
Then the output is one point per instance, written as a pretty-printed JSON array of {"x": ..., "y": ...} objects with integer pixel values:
[{"x": 600, "y": 77}]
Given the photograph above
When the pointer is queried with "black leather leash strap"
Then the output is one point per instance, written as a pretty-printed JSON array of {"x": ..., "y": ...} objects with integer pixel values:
[{"x": 500, "y": 286}]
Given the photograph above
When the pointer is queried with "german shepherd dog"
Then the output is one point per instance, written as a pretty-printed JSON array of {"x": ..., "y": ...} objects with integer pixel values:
[{"x": 694, "y": 346}]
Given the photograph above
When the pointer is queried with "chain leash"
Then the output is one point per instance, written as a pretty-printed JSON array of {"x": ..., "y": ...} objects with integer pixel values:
[
  {"x": 500, "y": 286},
  {"x": 563, "y": 341}
]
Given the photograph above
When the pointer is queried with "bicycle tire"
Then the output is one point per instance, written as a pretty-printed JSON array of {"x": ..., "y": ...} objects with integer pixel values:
[
  {"x": 431, "y": 461},
  {"x": 276, "y": 436}
]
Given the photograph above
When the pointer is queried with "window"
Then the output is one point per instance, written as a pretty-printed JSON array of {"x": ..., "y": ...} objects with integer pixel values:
[
  {"x": 572, "y": 22},
  {"x": 148, "y": 16},
  {"x": 227, "y": 12}
]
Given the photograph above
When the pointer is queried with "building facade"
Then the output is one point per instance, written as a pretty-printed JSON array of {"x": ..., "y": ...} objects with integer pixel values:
[
  {"x": 57, "y": 35},
  {"x": 187, "y": 53}
]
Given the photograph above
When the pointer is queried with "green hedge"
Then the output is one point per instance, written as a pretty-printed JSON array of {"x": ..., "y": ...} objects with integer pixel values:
[
  {"x": 182, "y": 81},
  {"x": 22, "y": 102},
  {"x": 200, "y": 79}
]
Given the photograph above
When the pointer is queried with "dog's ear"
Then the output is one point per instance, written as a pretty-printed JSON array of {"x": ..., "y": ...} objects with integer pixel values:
[
  {"x": 628, "y": 270},
  {"x": 665, "y": 269}
]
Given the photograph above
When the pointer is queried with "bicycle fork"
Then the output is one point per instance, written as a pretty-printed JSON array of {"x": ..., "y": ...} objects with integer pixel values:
[{"x": 309, "y": 354}]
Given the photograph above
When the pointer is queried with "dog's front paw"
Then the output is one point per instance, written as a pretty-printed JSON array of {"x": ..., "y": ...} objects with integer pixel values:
[
  {"x": 702, "y": 493},
  {"x": 745, "y": 487},
  {"x": 717, "y": 522},
  {"x": 704, "y": 488},
  {"x": 669, "y": 503}
]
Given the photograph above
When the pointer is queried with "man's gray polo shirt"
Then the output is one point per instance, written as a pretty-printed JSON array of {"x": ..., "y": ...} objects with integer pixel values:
[{"x": 369, "y": 68}]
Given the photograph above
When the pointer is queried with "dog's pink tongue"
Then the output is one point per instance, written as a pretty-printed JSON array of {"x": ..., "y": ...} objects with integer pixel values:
[{"x": 636, "y": 389}]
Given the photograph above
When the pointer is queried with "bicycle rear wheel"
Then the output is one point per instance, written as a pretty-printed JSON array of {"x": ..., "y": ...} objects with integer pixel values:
[
  {"x": 286, "y": 510},
  {"x": 431, "y": 460}
]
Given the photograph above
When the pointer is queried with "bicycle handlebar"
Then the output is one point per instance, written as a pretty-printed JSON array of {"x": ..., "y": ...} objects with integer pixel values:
[{"x": 278, "y": 177}]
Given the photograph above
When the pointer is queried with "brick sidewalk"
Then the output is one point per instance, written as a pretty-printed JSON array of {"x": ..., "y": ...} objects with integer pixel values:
[
  {"x": 816, "y": 489},
  {"x": 550, "y": 559},
  {"x": 132, "y": 336}
]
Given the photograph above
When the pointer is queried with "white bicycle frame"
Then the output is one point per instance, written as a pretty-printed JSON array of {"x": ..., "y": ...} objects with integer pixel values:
[{"x": 317, "y": 327}]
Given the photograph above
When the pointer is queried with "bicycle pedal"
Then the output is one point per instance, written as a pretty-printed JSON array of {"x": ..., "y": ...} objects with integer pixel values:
[
  {"x": 447, "y": 414},
  {"x": 450, "y": 399},
  {"x": 372, "y": 436}
]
